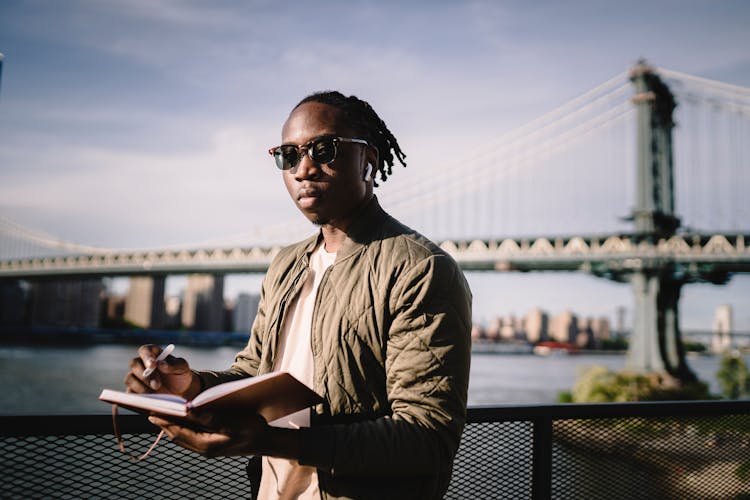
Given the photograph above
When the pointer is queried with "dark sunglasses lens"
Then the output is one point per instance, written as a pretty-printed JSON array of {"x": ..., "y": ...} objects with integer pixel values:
[
  {"x": 286, "y": 157},
  {"x": 324, "y": 150}
]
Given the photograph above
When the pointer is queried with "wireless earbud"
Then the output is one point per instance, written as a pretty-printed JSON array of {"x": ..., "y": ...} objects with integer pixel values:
[{"x": 368, "y": 172}]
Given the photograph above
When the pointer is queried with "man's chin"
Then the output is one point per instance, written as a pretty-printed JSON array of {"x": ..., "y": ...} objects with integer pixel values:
[{"x": 317, "y": 220}]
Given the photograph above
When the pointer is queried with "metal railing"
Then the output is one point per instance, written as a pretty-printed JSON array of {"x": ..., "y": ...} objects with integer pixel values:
[{"x": 694, "y": 449}]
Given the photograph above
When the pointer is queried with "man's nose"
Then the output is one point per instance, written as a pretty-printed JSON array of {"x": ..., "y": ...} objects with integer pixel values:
[{"x": 306, "y": 168}]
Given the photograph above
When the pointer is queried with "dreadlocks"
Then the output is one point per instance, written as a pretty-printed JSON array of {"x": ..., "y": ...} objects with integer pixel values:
[{"x": 364, "y": 120}]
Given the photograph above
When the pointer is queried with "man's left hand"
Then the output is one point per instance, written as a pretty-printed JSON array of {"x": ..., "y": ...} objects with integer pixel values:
[{"x": 226, "y": 437}]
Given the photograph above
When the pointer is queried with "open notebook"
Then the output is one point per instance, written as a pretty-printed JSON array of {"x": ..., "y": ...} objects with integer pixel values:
[{"x": 272, "y": 395}]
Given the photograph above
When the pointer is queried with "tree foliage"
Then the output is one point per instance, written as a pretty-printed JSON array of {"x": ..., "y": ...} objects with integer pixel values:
[
  {"x": 733, "y": 376},
  {"x": 597, "y": 384}
]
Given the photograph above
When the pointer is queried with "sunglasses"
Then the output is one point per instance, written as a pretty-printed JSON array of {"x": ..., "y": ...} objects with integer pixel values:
[{"x": 321, "y": 150}]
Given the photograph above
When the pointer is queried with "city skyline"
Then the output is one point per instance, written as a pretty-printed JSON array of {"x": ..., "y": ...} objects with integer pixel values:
[
  {"x": 204, "y": 305},
  {"x": 235, "y": 286}
]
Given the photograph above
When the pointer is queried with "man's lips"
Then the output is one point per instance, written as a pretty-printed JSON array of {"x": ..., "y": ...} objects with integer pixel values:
[{"x": 308, "y": 196}]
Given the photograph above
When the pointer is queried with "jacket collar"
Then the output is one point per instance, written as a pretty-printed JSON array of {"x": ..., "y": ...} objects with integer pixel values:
[{"x": 364, "y": 228}]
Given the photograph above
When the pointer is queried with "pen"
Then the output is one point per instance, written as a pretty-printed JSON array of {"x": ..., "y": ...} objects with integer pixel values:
[{"x": 166, "y": 352}]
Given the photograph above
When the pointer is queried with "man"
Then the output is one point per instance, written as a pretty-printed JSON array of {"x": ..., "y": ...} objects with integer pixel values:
[{"x": 371, "y": 315}]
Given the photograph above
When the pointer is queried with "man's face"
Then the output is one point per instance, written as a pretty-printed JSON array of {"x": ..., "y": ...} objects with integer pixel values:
[{"x": 326, "y": 194}]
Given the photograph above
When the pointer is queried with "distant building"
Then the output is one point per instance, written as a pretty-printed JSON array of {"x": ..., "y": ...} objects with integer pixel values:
[
  {"x": 114, "y": 306},
  {"x": 245, "y": 309},
  {"x": 620, "y": 325},
  {"x": 227, "y": 315},
  {"x": 203, "y": 303},
  {"x": 112, "y": 310},
  {"x": 722, "y": 329},
  {"x": 600, "y": 328},
  {"x": 564, "y": 327},
  {"x": 584, "y": 338},
  {"x": 172, "y": 312},
  {"x": 492, "y": 332},
  {"x": 66, "y": 303},
  {"x": 536, "y": 325},
  {"x": 144, "y": 305},
  {"x": 477, "y": 333},
  {"x": 509, "y": 327},
  {"x": 12, "y": 304}
]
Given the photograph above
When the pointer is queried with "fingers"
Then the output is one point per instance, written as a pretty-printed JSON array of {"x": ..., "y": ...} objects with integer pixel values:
[
  {"x": 135, "y": 381},
  {"x": 173, "y": 366},
  {"x": 148, "y": 354},
  {"x": 204, "y": 419},
  {"x": 209, "y": 444},
  {"x": 215, "y": 438}
]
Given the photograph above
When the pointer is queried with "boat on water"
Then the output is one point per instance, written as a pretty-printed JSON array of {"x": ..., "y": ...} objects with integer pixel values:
[
  {"x": 554, "y": 348},
  {"x": 501, "y": 348}
]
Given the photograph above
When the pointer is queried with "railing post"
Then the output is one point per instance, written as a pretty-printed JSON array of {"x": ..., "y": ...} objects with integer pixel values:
[{"x": 541, "y": 475}]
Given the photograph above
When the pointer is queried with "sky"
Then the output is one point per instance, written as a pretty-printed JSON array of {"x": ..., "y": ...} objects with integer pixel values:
[{"x": 145, "y": 123}]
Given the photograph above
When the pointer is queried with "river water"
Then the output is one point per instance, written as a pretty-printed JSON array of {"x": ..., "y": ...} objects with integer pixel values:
[{"x": 43, "y": 379}]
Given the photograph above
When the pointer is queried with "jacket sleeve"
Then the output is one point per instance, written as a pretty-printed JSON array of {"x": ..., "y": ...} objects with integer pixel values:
[{"x": 427, "y": 375}]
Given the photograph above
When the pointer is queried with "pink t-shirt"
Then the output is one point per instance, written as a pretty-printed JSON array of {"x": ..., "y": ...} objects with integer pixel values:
[{"x": 283, "y": 478}]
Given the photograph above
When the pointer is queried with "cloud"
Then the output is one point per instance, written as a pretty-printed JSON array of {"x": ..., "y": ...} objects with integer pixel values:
[{"x": 152, "y": 199}]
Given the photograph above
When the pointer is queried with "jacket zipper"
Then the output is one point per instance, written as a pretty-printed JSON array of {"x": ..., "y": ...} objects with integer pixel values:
[
  {"x": 292, "y": 291},
  {"x": 313, "y": 336}
]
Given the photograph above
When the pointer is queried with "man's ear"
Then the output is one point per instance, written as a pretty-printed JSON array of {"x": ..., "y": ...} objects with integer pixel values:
[{"x": 371, "y": 157}]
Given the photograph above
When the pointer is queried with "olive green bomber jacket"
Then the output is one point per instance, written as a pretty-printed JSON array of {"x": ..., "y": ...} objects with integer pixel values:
[{"x": 391, "y": 349}]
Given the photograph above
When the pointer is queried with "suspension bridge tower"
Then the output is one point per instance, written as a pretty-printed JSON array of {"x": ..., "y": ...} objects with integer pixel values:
[{"x": 655, "y": 344}]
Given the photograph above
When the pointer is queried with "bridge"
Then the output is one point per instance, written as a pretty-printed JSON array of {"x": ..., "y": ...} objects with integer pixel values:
[
  {"x": 642, "y": 180},
  {"x": 712, "y": 257}
]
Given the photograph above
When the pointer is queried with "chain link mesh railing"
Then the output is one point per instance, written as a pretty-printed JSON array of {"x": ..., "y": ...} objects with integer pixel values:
[
  {"x": 91, "y": 467},
  {"x": 69, "y": 456},
  {"x": 655, "y": 457},
  {"x": 494, "y": 460},
  {"x": 627, "y": 451}
]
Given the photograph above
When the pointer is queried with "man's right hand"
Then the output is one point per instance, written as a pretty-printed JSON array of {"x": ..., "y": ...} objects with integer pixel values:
[{"x": 171, "y": 376}]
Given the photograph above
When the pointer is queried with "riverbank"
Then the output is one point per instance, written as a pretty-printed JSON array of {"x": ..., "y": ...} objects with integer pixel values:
[{"x": 75, "y": 336}]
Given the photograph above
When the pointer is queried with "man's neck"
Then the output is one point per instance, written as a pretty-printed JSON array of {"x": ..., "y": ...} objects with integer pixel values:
[
  {"x": 335, "y": 233},
  {"x": 333, "y": 237}
]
